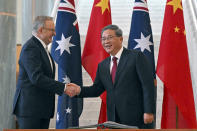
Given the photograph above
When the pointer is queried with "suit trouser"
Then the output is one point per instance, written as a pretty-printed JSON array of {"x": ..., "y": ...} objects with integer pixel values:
[{"x": 33, "y": 123}]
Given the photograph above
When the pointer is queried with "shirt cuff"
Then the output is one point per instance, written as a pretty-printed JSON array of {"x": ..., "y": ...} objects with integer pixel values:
[{"x": 65, "y": 88}]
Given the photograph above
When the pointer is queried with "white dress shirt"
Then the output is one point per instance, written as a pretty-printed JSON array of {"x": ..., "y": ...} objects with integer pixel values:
[{"x": 118, "y": 55}]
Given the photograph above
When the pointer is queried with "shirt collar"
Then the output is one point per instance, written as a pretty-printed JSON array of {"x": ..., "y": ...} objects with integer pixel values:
[
  {"x": 42, "y": 42},
  {"x": 118, "y": 54}
]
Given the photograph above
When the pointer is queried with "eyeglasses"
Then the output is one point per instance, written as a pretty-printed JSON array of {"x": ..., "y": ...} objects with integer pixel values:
[
  {"x": 109, "y": 38},
  {"x": 50, "y": 29}
]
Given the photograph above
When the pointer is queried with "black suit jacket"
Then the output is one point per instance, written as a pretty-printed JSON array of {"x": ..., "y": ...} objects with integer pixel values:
[
  {"x": 36, "y": 87},
  {"x": 133, "y": 92}
]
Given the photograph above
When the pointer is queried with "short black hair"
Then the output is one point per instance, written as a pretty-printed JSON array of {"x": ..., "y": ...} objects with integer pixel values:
[{"x": 117, "y": 30}]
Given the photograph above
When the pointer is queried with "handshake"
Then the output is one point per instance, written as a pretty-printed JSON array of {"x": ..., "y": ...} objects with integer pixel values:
[{"x": 72, "y": 89}]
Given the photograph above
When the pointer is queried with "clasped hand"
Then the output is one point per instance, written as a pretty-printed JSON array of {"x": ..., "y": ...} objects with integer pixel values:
[{"x": 72, "y": 89}]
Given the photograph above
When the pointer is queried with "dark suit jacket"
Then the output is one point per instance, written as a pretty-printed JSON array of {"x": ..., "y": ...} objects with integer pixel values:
[
  {"x": 36, "y": 87},
  {"x": 133, "y": 92}
]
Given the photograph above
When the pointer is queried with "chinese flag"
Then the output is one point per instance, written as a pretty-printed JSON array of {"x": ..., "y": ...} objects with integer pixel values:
[
  {"x": 173, "y": 69},
  {"x": 93, "y": 52}
]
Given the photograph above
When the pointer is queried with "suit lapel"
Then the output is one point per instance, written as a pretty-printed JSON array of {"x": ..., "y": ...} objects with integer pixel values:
[
  {"x": 107, "y": 70},
  {"x": 53, "y": 64},
  {"x": 122, "y": 62},
  {"x": 44, "y": 53},
  {"x": 46, "y": 58}
]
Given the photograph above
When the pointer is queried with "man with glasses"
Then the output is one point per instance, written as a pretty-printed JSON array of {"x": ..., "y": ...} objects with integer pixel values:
[
  {"x": 127, "y": 78},
  {"x": 34, "y": 100}
]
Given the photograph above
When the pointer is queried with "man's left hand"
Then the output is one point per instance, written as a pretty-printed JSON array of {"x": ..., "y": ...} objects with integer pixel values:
[{"x": 148, "y": 118}]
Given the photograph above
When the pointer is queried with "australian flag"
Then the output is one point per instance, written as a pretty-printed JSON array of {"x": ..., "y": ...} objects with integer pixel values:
[
  {"x": 66, "y": 51},
  {"x": 141, "y": 37}
]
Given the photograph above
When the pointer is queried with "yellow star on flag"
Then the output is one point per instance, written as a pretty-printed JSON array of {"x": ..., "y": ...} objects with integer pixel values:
[
  {"x": 176, "y": 5},
  {"x": 103, "y": 4},
  {"x": 176, "y": 29}
]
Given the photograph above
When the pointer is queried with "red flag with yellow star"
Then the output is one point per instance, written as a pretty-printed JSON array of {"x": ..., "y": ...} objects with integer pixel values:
[
  {"x": 93, "y": 52},
  {"x": 173, "y": 69}
]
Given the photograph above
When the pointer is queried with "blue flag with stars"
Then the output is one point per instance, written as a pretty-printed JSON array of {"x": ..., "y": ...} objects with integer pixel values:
[
  {"x": 66, "y": 51},
  {"x": 141, "y": 38}
]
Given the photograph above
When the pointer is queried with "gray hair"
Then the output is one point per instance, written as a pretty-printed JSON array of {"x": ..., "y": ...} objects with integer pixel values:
[
  {"x": 117, "y": 30},
  {"x": 40, "y": 21}
]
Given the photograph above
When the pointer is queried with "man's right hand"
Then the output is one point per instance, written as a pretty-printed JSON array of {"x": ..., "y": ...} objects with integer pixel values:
[{"x": 72, "y": 89}]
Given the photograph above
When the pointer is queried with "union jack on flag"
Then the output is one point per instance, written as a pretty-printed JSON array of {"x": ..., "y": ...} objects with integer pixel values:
[{"x": 66, "y": 51}]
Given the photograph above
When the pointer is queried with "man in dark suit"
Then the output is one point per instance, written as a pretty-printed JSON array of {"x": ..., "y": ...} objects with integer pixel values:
[
  {"x": 127, "y": 79},
  {"x": 34, "y": 100}
]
